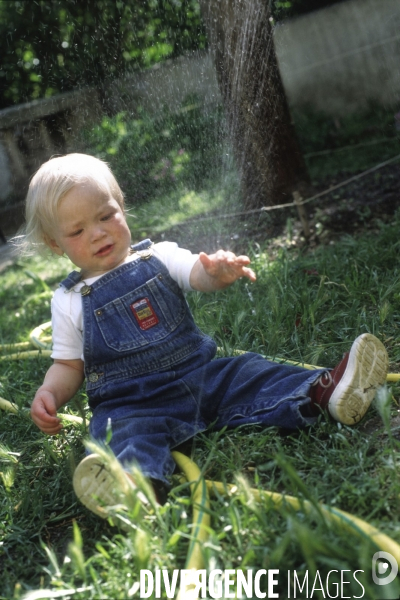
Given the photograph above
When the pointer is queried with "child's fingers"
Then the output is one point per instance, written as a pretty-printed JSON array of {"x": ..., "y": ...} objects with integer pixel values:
[
  {"x": 204, "y": 259},
  {"x": 47, "y": 423},
  {"x": 222, "y": 256},
  {"x": 249, "y": 273},
  {"x": 227, "y": 266},
  {"x": 44, "y": 414},
  {"x": 51, "y": 430},
  {"x": 243, "y": 260},
  {"x": 41, "y": 412},
  {"x": 50, "y": 426}
]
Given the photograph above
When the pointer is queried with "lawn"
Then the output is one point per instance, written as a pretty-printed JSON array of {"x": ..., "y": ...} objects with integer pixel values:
[{"x": 305, "y": 306}]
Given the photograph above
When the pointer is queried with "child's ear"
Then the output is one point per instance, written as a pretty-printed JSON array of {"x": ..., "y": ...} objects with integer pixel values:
[{"x": 54, "y": 247}]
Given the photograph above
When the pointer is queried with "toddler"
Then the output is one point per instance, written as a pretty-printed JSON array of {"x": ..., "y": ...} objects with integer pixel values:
[{"x": 122, "y": 323}]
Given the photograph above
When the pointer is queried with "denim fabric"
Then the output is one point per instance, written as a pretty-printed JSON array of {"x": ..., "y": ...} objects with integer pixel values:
[
  {"x": 136, "y": 322},
  {"x": 152, "y": 376}
]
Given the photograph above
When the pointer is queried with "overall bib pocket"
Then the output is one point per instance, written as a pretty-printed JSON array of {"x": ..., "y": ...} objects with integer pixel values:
[{"x": 141, "y": 317}]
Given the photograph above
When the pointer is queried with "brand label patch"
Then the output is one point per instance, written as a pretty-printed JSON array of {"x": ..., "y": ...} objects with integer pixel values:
[{"x": 144, "y": 313}]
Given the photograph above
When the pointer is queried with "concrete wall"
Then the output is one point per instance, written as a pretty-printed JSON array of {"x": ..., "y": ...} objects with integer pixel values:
[
  {"x": 339, "y": 58},
  {"x": 166, "y": 85},
  {"x": 30, "y": 134}
]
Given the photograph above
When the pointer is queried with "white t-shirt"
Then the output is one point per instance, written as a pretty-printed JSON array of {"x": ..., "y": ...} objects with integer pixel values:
[{"x": 66, "y": 306}]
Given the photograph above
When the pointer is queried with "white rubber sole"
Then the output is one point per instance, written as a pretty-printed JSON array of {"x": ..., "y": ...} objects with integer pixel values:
[
  {"x": 365, "y": 372},
  {"x": 98, "y": 488}
]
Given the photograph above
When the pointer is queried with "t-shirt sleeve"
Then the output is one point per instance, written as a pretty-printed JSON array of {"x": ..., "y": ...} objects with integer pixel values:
[
  {"x": 178, "y": 261},
  {"x": 67, "y": 334}
]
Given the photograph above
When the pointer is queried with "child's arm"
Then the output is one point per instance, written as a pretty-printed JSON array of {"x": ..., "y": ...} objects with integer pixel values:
[
  {"x": 60, "y": 384},
  {"x": 218, "y": 271}
]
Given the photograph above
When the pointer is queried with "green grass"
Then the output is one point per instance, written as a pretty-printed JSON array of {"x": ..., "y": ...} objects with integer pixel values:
[{"x": 306, "y": 307}]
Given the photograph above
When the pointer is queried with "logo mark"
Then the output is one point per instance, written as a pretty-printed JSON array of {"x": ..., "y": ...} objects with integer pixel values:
[
  {"x": 381, "y": 561},
  {"x": 144, "y": 313}
]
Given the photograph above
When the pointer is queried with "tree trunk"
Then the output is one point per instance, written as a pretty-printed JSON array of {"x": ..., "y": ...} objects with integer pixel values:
[{"x": 264, "y": 142}]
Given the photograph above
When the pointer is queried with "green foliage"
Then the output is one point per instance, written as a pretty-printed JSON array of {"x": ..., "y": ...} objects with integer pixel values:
[
  {"x": 59, "y": 45},
  {"x": 157, "y": 156}
]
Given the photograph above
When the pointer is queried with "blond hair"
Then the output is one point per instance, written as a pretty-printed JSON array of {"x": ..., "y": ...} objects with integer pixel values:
[{"x": 49, "y": 185}]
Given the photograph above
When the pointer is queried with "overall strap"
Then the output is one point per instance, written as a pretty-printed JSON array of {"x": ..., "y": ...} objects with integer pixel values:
[
  {"x": 72, "y": 279},
  {"x": 143, "y": 245},
  {"x": 75, "y": 277}
]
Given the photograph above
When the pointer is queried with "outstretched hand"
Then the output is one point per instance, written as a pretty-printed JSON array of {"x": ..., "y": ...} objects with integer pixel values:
[{"x": 226, "y": 267}]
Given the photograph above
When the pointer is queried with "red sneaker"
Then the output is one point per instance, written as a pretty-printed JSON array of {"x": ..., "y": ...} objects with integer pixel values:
[{"x": 348, "y": 390}]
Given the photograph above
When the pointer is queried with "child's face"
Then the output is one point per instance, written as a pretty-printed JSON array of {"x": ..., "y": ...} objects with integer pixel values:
[{"x": 91, "y": 230}]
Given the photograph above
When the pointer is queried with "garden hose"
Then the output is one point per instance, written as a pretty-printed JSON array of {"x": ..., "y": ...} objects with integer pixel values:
[
  {"x": 390, "y": 377},
  {"x": 344, "y": 520},
  {"x": 275, "y": 500},
  {"x": 22, "y": 350},
  {"x": 8, "y": 406},
  {"x": 36, "y": 338},
  {"x": 43, "y": 345},
  {"x": 200, "y": 524}
]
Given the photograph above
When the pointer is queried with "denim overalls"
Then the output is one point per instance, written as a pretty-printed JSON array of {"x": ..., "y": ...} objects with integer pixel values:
[{"x": 151, "y": 373}]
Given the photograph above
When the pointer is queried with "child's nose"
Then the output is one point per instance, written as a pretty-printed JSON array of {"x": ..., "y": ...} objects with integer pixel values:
[{"x": 97, "y": 232}]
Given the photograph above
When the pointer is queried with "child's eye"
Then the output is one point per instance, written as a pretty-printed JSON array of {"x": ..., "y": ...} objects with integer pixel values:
[
  {"x": 106, "y": 217},
  {"x": 75, "y": 233}
]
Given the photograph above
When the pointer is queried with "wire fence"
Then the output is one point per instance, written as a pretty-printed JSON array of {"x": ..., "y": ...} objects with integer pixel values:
[{"x": 301, "y": 202}]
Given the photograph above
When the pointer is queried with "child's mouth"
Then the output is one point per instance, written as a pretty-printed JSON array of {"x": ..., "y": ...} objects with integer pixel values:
[{"x": 105, "y": 250}]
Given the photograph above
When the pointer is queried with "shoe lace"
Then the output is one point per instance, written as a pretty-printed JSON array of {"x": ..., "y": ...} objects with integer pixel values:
[{"x": 320, "y": 381}]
